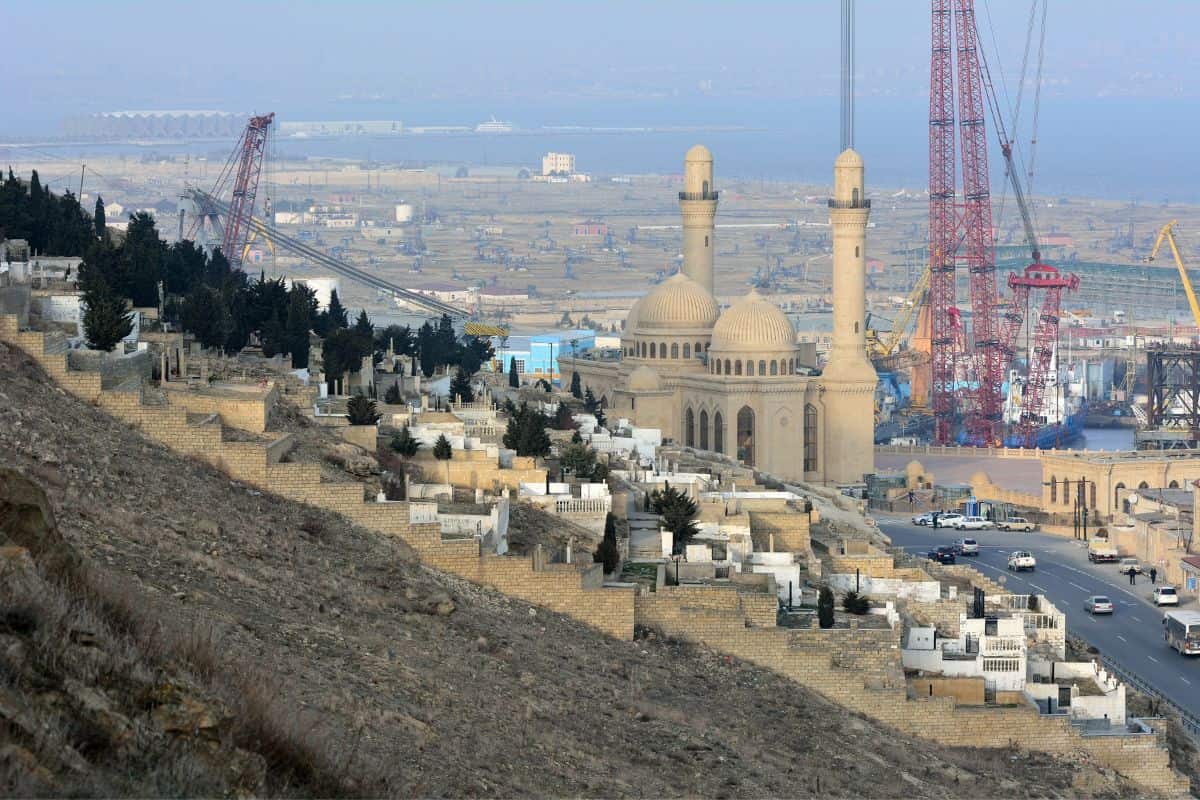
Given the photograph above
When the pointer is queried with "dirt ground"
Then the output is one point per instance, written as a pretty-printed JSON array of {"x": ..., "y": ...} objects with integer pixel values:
[{"x": 429, "y": 686}]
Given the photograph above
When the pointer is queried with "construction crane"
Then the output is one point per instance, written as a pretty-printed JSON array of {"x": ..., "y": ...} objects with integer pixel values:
[
  {"x": 1167, "y": 234},
  {"x": 886, "y": 346},
  {"x": 240, "y": 176}
]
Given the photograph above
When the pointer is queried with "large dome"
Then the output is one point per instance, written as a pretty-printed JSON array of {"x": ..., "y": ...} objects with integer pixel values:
[
  {"x": 631, "y": 319},
  {"x": 753, "y": 324},
  {"x": 676, "y": 304}
]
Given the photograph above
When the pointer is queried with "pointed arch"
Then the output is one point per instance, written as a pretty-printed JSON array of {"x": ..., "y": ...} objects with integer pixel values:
[
  {"x": 674, "y": 349},
  {"x": 703, "y": 430},
  {"x": 718, "y": 433},
  {"x": 687, "y": 349},
  {"x": 745, "y": 436},
  {"x": 811, "y": 452},
  {"x": 689, "y": 428}
]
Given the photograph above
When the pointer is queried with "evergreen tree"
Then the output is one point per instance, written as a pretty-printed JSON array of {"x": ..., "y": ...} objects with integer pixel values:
[
  {"x": 825, "y": 608},
  {"x": 143, "y": 255},
  {"x": 442, "y": 449},
  {"x": 563, "y": 420},
  {"x": 427, "y": 350},
  {"x": 363, "y": 326},
  {"x": 576, "y": 390},
  {"x": 341, "y": 354},
  {"x": 398, "y": 337},
  {"x": 460, "y": 387},
  {"x": 678, "y": 512},
  {"x": 206, "y": 317},
  {"x": 98, "y": 218},
  {"x": 514, "y": 379},
  {"x": 337, "y": 313},
  {"x": 607, "y": 553},
  {"x": 405, "y": 443},
  {"x": 360, "y": 410},
  {"x": 299, "y": 320},
  {"x": 105, "y": 319},
  {"x": 392, "y": 395},
  {"x": 445, "y": 342},
  {"x": 589, "y": 401},
  {"x": 526, "y": 432}
]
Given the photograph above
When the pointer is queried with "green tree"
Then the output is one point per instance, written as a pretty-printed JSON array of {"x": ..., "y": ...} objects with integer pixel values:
[
  {"x": 576, "y": 390},
  {"x": 363, "y": 325},
  {"x": 143, "y": 255},
  {"x": 392, "y": 395},
  {"x": 206, "y": 316},
  {"x": 514, "y": 378},
  {"x": 427, "y": 350},
  {"x": 337, "y": 313},
  {"x": 589, "y": 401},
  {"x": 360, "y": 410},
  {"x": 825, "y": 608},
  {"x": 105, "y": 318},
  {"x": 341, "y": 354},
  {"x": 460, "y": 387},
  {"x": 98, "y": 218},
  {"x": 299, "y": 324},
  {"x": 678, "y": 512},
  {"x": 855, "y": 603},
  {"x": 405, "y": 443},
  {"x": 563, "y": 419},
  {"x": 581, "y": 460},
  {"x": 526, "y": 432},
  {"x": 442, "y": 449},
  {"x": 398, "y": 337},
  {"x": 607, "y": 553}
]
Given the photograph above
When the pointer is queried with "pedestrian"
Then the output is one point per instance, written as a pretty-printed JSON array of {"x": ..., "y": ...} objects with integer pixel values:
[
  {"x": 1153, "y": 574},
  {"x": 1132, "y": 577}
]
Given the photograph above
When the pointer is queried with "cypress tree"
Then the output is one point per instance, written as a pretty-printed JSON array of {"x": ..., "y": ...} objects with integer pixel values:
[
  {"x": 460, "y": 387},
  {"x": 298, "y": 327},
  {"x": 514, "y": 380},
  {"x": 576, "y": 389},
  {"x": 98, "y": 218},
  {"x": 105, "y": 320},
  {"x": 337, "y": 312}
]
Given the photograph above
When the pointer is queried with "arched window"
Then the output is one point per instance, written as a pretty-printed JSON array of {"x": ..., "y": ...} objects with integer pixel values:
[
  {"x": 604, "y": 401},
  {"x": 652, "y": 350},
  {"x": 762, "y": 367},
  {"x": 1173, "y": 485},
  {"x": 1066, "y": 491},
  {"x": 737, "y": 367},
  {"x": 706, "y": 241},
  {"x": 791, "y": 366},
  {"x": 699, "y": 348},
  {"x": 727, "y": 369},
  {"x": 1092, "y": 489},
  {"x": 674, "y": 350},
  {"x": 642, "y": 347},
  {"x": 703, "y": 430},
  {"x": 745, "y": 436},
  {"x": 854, "y": 199},
  {"x": 1117, "y": 499},
  {"x": 689, "y": 429},
  {"x": 810, "y": 438},
  {"x": 704, "y": 185},
  {"x": 687, "y": 350},
  {"x": 856, "y": 251},
  {"x": 718, "y": 433},
  {"x": 749, "y": 367},
  {"x": 1053, "y": 489},
  {"x": 662, "y": 349},
  {"x": 774, "y": 367},
  {"x": 1143, "y": 485}
]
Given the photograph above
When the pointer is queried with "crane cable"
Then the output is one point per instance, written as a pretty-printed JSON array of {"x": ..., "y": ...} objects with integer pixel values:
[{"x": 1037, "y": 100}]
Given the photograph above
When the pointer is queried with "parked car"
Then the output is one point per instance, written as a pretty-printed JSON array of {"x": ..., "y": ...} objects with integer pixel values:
[
  {"x": 1100, "y": 551},
  {"x": 948, "y": 519},
  {"x": 1017, "y": 524},
  {"x": 1129, "y": 565},
  {"x": 923, "y": 519},
  {"x": 966, "y": 547},
  {"x": 1022, "y": 560},
  {"x": 973, "y": 524},
  {"x": 1165, "y": 596},
  {"x": 1098, "y": 604},
  {"x": 942, "y": 555}
]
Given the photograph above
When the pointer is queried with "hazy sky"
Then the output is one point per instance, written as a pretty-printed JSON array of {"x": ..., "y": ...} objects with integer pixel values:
[{"x": 406, "y": 57}]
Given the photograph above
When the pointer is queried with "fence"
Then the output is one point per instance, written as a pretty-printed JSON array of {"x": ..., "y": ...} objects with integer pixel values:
[{"x": 1189, "y": 721}]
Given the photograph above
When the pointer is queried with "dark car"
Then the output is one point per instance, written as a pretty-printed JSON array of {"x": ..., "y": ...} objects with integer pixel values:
[{"x": 942, "y": 555}]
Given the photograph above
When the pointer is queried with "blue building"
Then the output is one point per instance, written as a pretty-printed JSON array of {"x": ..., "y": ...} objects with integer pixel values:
[{"x": 537, "y": 355}]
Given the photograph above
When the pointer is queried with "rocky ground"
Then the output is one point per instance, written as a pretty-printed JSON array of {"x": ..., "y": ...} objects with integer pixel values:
[{"x": 339, "y": 665}]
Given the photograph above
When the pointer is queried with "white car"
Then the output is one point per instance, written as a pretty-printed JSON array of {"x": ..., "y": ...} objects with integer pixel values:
[
  {"x": 973, "y": 524},
  {"x": 1017, "y": 524},
  {"x": 1165, "y": 596},
  {"x": 1022, "y": 560},
  {"x": 948, "y": 520},
  {"x": 923, "y": 519}
]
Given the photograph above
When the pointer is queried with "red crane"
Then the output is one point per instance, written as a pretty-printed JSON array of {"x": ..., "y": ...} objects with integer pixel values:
[{"x": 244, "y": 167}]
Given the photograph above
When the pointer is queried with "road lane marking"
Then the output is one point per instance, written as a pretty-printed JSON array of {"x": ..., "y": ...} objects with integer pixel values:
[
  {"x": 1152, "y": 658},
  {"x": 1122, "y": 638},
  {"x": 1135, "y": 619},
  {"x": 1039, "y": 588},
  {"x": 1080, "y": 588},
  {"x": 1185, "y": 680}
]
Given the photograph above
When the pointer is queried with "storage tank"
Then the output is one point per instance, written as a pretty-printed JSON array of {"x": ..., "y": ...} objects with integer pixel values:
[{"x": 404, "y": 212}]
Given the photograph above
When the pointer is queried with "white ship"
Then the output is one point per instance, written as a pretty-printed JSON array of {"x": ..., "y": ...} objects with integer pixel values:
[{"x": 494, "y": 125}]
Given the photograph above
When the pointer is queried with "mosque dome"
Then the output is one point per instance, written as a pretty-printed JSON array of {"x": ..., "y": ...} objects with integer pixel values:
[
  {"x": 698, "y": 152},
  {"x": 643, "y": 379},
  {"x": 631, "y": 319},
  {"x": 753, "y": 324},
  {"x": 676, "y": 304}
]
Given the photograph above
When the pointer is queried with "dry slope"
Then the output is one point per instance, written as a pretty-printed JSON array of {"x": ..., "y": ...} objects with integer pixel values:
[{"x": 423, "y": 685}]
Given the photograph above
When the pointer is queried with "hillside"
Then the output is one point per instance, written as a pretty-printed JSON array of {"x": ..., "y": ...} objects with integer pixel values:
[{"x": 337, "y": 664}]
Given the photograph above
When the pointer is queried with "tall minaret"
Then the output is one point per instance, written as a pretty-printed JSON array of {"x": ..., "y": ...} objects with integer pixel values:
[
  {"x": 698, "y": 203},
  {"x": 849, "y": 378}
]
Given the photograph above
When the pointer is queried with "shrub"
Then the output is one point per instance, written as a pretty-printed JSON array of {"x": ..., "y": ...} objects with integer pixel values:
[
  {"x": 442, "y": 449},
  {"x": 825, "y": 608},
  {"x": 392, "y": 395},
  {"x": 855, "y": 603},
  {"x": 405, "y": 443},
  {"x": 360, "y": 410}
]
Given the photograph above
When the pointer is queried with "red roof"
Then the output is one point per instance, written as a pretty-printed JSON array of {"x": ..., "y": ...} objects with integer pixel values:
[{"x": 1191, "y": 561}]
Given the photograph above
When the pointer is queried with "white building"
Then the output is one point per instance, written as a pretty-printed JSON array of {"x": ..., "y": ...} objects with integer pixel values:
[
  {"x": 992, "y": 649},
  {"x": 558, "y": 164}
]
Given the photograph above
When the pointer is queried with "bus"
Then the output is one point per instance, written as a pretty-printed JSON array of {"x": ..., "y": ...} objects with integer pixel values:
[{"x": 1182, "y": 631}]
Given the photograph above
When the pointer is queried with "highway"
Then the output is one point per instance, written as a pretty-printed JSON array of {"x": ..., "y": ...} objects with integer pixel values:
[{"x": 1131, "y": 637}]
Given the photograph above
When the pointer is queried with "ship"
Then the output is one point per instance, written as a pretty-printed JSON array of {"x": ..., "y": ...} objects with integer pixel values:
[
  {"x": 494, "y": 125},
  {"x": 1063, "y": 414}
]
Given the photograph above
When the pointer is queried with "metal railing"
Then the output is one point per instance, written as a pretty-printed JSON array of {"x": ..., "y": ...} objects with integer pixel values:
[
  {"x": 698, "y": 195},
  {"x": 849, "y": 203},
  {"x": 1189, "y": 721}
]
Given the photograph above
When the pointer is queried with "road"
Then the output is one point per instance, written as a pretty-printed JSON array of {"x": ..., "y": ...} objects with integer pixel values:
[{"x": 1132, "y": 637}]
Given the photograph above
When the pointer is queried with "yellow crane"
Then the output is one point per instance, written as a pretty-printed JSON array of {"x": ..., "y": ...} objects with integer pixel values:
[
  {"x": 882, "y": 348},
  {"x": 1167, "y": 234}
]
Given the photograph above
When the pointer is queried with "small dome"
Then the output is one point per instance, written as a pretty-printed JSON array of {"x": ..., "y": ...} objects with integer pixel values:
[
  {"x": 643, "y": 379},
  {"x": 698, "y": 152},
  {"x": 678, "y": 303},
  {"x": 848, "y": 158},
  {"x": 753, "y": 324}
]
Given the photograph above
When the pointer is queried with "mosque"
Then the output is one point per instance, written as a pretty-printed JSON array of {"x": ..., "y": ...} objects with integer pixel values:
[{"x": 735, "y": 381}]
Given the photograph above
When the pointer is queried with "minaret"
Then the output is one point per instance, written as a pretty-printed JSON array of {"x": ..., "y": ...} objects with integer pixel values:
[
  {"x": 849, "y": 378},
  {"x": 698, "y": 204}
]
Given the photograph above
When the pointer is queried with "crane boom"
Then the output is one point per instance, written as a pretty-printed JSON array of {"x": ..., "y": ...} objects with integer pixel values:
[{"x": 1167, "y": 234}]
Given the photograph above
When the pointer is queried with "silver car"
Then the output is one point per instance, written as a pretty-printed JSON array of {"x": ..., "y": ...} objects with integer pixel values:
[{"x": 1098, "y": 604}]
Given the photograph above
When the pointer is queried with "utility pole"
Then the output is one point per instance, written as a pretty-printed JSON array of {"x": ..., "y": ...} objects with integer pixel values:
[{"x": 82, "y": 170}]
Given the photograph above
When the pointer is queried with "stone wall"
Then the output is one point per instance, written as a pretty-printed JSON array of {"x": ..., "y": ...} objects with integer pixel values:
[
  {"x": 790, "y": 530},
  {"x": 965, "y": 691},
  {"x": 245, "y": 408},
  {"x": 113, "y": 368}
]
